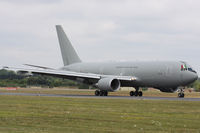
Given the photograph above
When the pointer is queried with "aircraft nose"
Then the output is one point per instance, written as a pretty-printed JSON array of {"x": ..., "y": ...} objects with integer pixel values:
[
  {"x": 189, "y": 77},
  {"x": 195, "y": 76},
  {"x": 192, "y": 77}
]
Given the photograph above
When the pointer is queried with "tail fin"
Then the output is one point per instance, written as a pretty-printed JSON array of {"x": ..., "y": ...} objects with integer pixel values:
[{"x": 69, "y": 55}]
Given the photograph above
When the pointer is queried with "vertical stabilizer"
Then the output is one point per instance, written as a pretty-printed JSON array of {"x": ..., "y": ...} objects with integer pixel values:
[{"x": 69, "y": 55}]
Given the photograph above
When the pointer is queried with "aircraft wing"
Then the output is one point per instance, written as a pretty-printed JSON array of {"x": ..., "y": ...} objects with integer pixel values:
[
  {"x": 39, "y": 66},
  {"x": 71, "y": 75}
]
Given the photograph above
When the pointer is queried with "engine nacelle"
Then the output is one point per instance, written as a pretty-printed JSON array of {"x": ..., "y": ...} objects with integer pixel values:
[
  {"x": 109, "y": 84},
  {"x": 169, "y": 90}
]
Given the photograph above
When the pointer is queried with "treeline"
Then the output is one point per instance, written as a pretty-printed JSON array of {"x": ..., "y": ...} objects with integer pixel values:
[
  {"x": 13, "y": 79},
  {"x": 196, "y": 85}
]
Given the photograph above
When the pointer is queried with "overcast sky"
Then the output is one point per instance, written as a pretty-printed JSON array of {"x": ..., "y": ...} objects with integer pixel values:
[{"x": 100, "y": 30}]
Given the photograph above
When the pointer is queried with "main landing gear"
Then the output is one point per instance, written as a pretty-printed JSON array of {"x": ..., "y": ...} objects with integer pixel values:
[
  {"x": 136, "y": 92},
  {"x": 181, "y": 93},
  {"x": 101, "y": 93}
]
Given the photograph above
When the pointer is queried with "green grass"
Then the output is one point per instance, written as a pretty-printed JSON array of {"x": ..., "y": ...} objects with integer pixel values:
[{"x": 22, "y": 114}]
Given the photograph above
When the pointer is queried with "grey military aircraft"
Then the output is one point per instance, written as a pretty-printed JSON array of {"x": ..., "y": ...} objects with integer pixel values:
[{"x": 166, "y": 76}]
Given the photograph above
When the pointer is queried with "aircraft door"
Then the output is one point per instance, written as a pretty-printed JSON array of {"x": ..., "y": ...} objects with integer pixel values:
[
  {"x": 126, "y": 71},
  {"x": 168, "y": 75},
  {"x": 168, "y": 72}
]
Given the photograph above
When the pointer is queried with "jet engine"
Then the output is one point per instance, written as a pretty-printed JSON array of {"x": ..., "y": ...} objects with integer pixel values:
[{"x": 108, "y": 84}]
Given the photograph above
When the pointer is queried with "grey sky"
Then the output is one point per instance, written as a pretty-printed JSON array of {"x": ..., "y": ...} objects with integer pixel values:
[{"x": 100, "y": 30}]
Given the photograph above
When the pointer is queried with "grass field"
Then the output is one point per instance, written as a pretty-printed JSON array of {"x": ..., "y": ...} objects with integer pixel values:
[{"x": 23, "y": 114}]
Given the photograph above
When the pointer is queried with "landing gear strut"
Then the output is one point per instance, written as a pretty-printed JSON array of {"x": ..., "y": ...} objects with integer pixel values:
[
  {"x": 181, "y": 93},
  {"x": 136, "y": 92},
  {"x": 101, "y": 93}
]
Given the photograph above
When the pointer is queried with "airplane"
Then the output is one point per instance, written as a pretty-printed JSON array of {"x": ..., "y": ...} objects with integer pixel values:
[{"x": 166, "y": 76}]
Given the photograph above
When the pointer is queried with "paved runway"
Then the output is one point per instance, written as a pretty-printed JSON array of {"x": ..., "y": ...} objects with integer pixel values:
[{"x": 104, "y": 97}]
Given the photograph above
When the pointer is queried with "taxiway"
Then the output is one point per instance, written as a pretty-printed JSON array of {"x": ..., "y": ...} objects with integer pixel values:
[{"x": 103, "y": 97}]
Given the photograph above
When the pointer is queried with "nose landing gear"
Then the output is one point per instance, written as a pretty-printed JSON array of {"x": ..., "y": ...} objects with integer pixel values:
[{"x": 181, "y": 93}]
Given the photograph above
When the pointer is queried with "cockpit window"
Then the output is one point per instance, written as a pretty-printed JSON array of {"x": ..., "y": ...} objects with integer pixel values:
[
  {"x": 191, "y": 70},
  {"x": 186, "y": 67}
]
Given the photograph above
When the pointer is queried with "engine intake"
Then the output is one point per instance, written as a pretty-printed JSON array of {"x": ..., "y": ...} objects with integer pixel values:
[{"x": 109, "y": 84}]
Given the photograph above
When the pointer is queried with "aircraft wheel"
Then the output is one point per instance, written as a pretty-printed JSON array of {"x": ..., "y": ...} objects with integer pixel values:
[
  {"x": 132, "y": 93},
  {"x": 101, "y": 93},
  {"x": 140, "y": 93},
  {"x": 105, "y": 93},
  {"x": 136, "y": 93},
  {"x": 97, "y": 93},
  {"x": 181, "y": 95}
]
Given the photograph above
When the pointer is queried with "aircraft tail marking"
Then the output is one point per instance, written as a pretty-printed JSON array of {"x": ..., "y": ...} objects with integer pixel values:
[{"x": 69, "y": 55}]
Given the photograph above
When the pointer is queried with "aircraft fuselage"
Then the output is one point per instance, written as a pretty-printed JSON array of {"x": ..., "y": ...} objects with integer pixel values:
[{"x": 157, "y": 74}]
